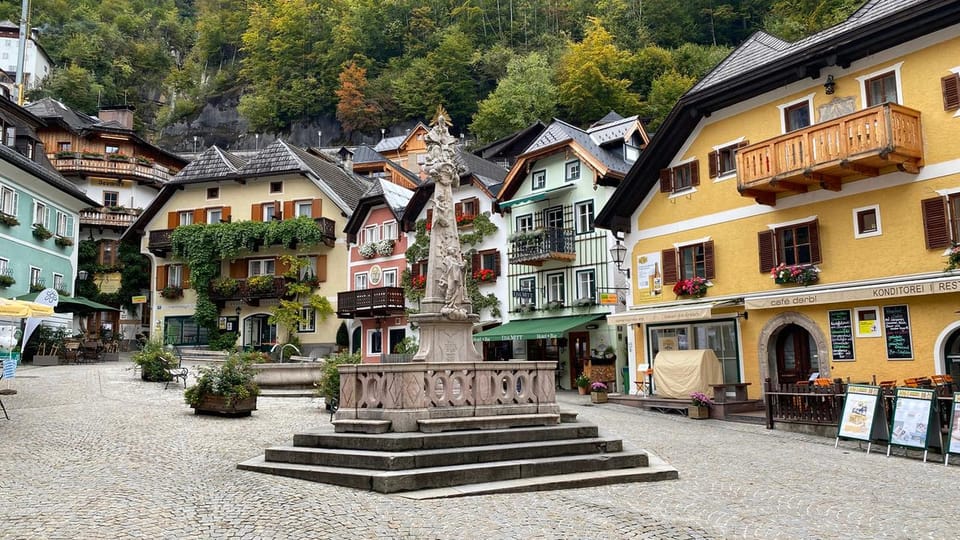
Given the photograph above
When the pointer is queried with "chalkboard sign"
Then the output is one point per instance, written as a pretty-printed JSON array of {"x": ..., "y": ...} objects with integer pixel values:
[
  {"x": 896, "y": 326},
  {"x": 841, "y": 334}
]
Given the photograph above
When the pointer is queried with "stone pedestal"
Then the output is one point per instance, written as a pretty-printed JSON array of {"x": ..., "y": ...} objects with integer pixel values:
[{"x": 445, "y": 340}]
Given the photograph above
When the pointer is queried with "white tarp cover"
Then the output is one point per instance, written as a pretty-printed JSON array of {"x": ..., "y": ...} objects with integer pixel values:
[{"x": 677, "y": 374}]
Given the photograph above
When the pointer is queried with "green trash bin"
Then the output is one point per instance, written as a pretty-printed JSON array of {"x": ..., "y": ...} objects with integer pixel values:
[{"x": 625, "y": 377}]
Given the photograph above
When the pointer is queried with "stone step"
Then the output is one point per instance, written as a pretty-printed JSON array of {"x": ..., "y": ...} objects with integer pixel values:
[
  {"x": 417, "y": 459},
  {"x": 437, "y": 477},
  {"x": 399, "y": 442},
  {"x": 357, "y": 425},
  {"x": 568, "y": 417},
  {"x": 438, "y": 425}
]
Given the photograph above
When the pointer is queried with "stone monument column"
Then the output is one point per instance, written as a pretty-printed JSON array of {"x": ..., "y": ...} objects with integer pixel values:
[{"x": 446, "y": 318}]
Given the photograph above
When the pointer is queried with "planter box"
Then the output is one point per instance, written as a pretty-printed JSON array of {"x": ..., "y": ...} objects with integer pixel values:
[
  {"x": 598, "y": 397},
  {"x": 583, "y": 390},
  {"x": 699, "y": 413},
  {"x": 218, "y": 405},
  {"x": 46, "y": 360}
]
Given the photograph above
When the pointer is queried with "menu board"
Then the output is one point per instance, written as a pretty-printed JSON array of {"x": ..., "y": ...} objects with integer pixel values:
[
  {"x": 912, "y": 417},
  {"x": 896, "y": 326},
  {"x": 859, "y": 418},
  {"x": 841, "y": 334},
  {"x": 953, "y": 443}
]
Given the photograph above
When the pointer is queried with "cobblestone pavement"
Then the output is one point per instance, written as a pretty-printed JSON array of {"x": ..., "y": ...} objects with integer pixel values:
[{"x": 93, "y": 452}]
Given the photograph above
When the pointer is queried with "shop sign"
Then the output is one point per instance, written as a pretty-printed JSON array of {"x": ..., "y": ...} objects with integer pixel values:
[
  {"x": 855, "y": 294},
  {"x": 608, "y": 299},
  {"x": 138, "y": 299}
]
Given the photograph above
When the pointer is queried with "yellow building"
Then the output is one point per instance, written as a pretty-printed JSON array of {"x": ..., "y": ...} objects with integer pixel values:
[
  {"x": 831, "y": 161},
  {"x": 280, "y": 185}
]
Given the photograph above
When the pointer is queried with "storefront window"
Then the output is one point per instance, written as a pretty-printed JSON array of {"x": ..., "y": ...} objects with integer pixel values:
[{"x": 721, "y": 336}]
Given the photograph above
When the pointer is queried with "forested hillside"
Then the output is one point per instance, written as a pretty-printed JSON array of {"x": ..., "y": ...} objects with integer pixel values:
[{"x": 497, "y": 65}]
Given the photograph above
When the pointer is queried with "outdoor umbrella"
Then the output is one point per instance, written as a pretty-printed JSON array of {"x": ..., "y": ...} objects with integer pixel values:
[
  {"x": 23, "y": 309},
  {"x": 75, "y": 304}
]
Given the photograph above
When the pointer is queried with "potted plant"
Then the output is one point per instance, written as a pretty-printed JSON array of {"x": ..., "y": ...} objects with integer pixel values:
[
  {"x": 40, "y": 232},
  {"x": 695, "y": 287},
  {"x": 801, "y": 274},
  {"x": 91, "y": 155},
  {"x": 63, "y": 241},
  {"x": 117, "y": 156},
  {"x": 598, "y": 392},
  {"x": 227, "y": 389},
  {"x": 144, "y": 161},
  {"x": 328, "y": 386},
  {"x": 554, "y": 304},
  {"x": 8, "y": 220},
  {"x": 172, "y": 292},
  {"x": 49, "y": 342},
  {"x": 65, "y": 154},
  {"x": 418, "y": 282},
  {"x": 155, "y": 361},
  {"x": 6, "y": 281},
  {"x": 583, "y": 382},
  {"x": 484, "y": 275},
  {"x": 699, "y": 406}
]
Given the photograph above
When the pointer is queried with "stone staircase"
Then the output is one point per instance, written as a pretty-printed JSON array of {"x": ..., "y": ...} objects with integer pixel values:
[{"x": 444, "y": 459}]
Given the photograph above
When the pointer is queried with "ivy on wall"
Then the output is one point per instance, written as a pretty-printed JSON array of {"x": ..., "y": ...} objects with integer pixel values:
[{"x": 134, "y": 268}]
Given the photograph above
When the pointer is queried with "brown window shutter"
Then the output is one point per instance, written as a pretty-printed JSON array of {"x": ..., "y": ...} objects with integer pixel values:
[
  {"x": 225, "y": 214},
  {"x": 709, "y": 267},
  {"x": 765, "y": 249},
  {"x": 496, "y": 263},
  {"x": 288, "y": 210},
  {"x": 161, "y": 277},
  {"x": 173, "y": 219},
  {"x": 414, "y": 270},
  {"x": 238, "y": 268},
  {"x": 457, "y": 209},
  {"x": 475, "y": 262},
  {"x": 199, "y": 215},
  {"x": 281, "y": 266},
  {"x": 186, "y": 277},
  {"x": 713, "y": 163},
  {"x": 695, "y": 172},
  {"x": 666, "y": 175},
  {"x": 321, "y": 268},
  {"x": 951, "y": 92},
  {"x": 936, "y": 229},
  {"x": 317, "y": 208},
  {"x": 256, "y": 212},
  {"x": 430, "y": 215},
  {"x": 669, "y": 259},
  {"x": 277, "y": 210},
  {"x": 815, "y": 242}
]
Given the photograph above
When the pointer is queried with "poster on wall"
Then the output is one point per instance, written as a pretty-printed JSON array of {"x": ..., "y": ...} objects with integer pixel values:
[
  {"x": 953, "y": 442},
  {"x": 862, "y": 418},
  {"x": 896, "y": 326},
  {"x": 841, "y": 334},
  {"x": 916, "y": 423},
  {"x": 649, "y": 274}
]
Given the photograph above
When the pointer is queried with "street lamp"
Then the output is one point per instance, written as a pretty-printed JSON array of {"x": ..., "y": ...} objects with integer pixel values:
[
  {"x": 82, "y": 275},
  {"x": 619, "y": 253}
]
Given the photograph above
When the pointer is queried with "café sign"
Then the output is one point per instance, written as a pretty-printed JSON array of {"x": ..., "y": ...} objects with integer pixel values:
[{"x": 855, "y": 294}]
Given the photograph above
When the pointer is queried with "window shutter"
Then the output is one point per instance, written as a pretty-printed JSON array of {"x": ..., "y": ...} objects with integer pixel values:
[
  {"x": 256, "y": 212},
  {"x": 430, "y": 216},
  {"x": 321, "y": 268},
  {"x": 936, "y": 229},
  {"x": 173, "y": 219},
  {"x": 665, "y": 180},
  {"x": 458, "y": 209},
  {"x": 713, "y": 162},
  {"x": 709, "y": 268},
  {"x": 815, "y": 242},
  {"x": 288, "y": 210},
  {"x": 277, "y": 210},
  {"x": 101, "y": 256},
  {"x": 951, "y": 92},
  {"x": 186, "y": 277},
  {"x": 669, "y": 259},
  {"x": 496, "y": 263},
  {"x": 161, "y": 277},
  {"x": 282, "y": 266},
  {"x": 238, "y": 268},
  {"x": 199, "y": 215},
  {"x": 766, "y": 252},
  {"x": 225, "y": 214},
  {"x": 695, "y": 173},
  {"x": 475, "y": 262},
  {"x": 414, "y": 270},
  {"x": 317, "y": 208}
]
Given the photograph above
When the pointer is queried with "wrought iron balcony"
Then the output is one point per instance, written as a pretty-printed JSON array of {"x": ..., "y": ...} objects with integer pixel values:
[
  {"x": 540, "y": 245},
  {"x": 131, "y": 168},
  {"x": 866, "y": 143},
  {"x": 382, "y": 301},
  {"x": 160, "y": 242}
]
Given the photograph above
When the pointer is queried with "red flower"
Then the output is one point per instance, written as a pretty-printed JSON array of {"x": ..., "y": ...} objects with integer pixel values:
[
  {"x": 484, "y": 274},
  {"x": 418, "y": 282}
]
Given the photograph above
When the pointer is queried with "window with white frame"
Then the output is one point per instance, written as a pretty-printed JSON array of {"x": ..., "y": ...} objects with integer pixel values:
[
  {"x": 587, "y": 285},
  {"x": 360, "y": 281},
  {"x": 262, "y": 267},
  {"x": 722, "y": 161},
  {"x": 185, "y": 218},
  {"x": 866, "y": 221},
  {"x": 371, "y": 233},
  {"x": 882, "y": 86},
  {"x": 309, "y": 316},
  {"x": 269, "y": 211},
  {"x": 538, "y": 179},
  {"x": 35, "y": 274},
  {"x": 175, "y": 275},
  {"x": 374, "y": 341},
  {"x": 214, "y": 215},
  {"x": 64, "y": 224},
  {"x": 680, "y": 177},
  {"x": 527, "y": 287},
  {"x": 389, "y": 230},
  {"x": 111, "y": 149},
  {"x": 303, "y": 208},
  {"x": 390, "y": 278},
  {"x": 11, "y": 136},
  {"x": 8, "y": 201},
  {"x": 525, "y": 223},
  {"x": 41, "y": 213},
  {"x": 58, "y": 281},
  {"x": 309, "y": 268},
  {"x": 571, "y": 171},
  {"x": 556, "y": 288},
  {"x": 4, "y": 266},
  {"x": 583, "y": 214}
]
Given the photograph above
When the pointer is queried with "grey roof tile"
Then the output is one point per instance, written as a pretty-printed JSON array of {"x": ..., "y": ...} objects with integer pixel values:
[
  {"x": 559, "y": 131},
  {"x": 478, "y": 166},
  {"x": 390, "y": 143},
  {"x": 212, "y": 164}
]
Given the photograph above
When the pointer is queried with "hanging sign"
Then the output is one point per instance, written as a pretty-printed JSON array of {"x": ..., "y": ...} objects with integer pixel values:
[
  {"x": 916, "y": 423},
  {"x": 862, "y": 417},
  {"x": 608, "y": 299},
  {"x": 896, "y": 326},
  {"x": 953, "y": 439},
  {"x": 841, "y": 334},
  {"x": 138, "y": 299}
]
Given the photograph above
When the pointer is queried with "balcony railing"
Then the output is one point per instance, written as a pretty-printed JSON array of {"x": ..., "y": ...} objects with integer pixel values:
[
  {"x": 276, "y": 289},
  {"x": 549, "y": 243},
  {"x": 381, "y": 301},
  {"x": 106, "y": 218},
  {"x": 111, "y": 168},
  {"x": 328, "y": 229},
  {"x": 160, "y": 241},
  {"x": 827, "y": 154}
]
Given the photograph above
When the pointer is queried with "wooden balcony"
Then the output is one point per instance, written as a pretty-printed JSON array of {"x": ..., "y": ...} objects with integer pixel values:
[
  {"x": 874, "y": 141},
  {"x": 160, "y": 242},
  {"x": 541, "y": 245},
  {"x": 106, "y": 218},
  {"x": 130, "y": 168},
  {"x": 328, "y": 229},
  {"x": 379, "y": 302},
  {"x": 277, "y": 288}
]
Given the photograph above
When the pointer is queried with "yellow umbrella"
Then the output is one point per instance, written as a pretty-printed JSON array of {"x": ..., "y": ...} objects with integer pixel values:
[{"x": 21, "y": 308}]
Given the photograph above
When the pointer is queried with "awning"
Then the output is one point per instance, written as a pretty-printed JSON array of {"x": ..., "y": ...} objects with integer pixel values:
[
  {"x": 74, "y": 304},
  {"x": 551, "y": 327},
  {"x": 23, "y": 309},
  {"x": 669, "y": 313},
  {"x": 534, "y": 197}
]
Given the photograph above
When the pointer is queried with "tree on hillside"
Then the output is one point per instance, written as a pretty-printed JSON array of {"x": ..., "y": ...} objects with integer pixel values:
[
  {"x": 794, "y": 19},
  {"x": 664, "y": 93},
  {"x": 354, "y": 111},
  {"x": 525, "y": 95},
  {"x": 73, "y": 85},
  {"x": 590, "y": 77}
]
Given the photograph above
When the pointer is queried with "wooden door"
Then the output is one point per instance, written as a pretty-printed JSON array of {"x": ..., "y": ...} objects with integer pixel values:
[
  {"x": 793, "y": 355},
  {"x": 579, "y": 346}
]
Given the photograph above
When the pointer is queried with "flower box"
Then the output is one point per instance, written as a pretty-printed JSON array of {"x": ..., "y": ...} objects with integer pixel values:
[
  {"x": 63, "y": 241},
  {"x": 598, "y": 397},
  {"x": 484, "y": 275},
  {"x": 6, "y": 281},
  {"x": 698, "y": 413},
  {"x": 384, "y": 248},
  {"x": 213, "y": 404},
  {"x": 171, "y": 293},
  {"x": 695, "y": 287},
  {"x": 8, "y": 220},
  {"x": 799, "y": 274},
  {"x": 40, "y": 232}
]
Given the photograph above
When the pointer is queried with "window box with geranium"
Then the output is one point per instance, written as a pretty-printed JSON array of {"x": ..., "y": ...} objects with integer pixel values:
[
  {"x": 800, "y": 274},
  {"x": 40, "y": 232},
  {"x": 63, "y": 241},
  {"x": 464, "y": 219},
  {"x": 91, "y": 155},
  {"x": 598, "y": 392},
  {"x": 418, "y": 282},
  {"x": 695, "y": 287},
  {"x": 485, "y": 274},
  {"x": 699, "y": 406},
  {"x": 8, "y": 220},
  {"x": 172, "y": 293},
  {"x": 117, "y": 156}
]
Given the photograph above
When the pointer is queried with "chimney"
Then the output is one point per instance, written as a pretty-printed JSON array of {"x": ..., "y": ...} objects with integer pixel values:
[
  {"x": 346, "y": 159},
  {"x": 121, "y": 114}
]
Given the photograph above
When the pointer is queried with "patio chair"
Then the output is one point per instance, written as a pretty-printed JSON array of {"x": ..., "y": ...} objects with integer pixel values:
[
  {"x": 71, "y": 351},
  {"x": 5, "y": 392}
]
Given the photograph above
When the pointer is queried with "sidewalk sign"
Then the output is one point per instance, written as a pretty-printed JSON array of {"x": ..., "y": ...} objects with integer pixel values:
[
  {"x": 863, "y": 417},
  {"x": 953, "y": 436},
  {"x": 916, "y": 422}
]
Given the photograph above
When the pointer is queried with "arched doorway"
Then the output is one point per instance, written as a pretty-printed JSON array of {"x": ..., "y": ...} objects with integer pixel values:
[
  {"x": 951, "y": 355},
  {"x": 258, "y": 333},
  {"x": 793, "y": 352},
  {"x": 356, "y": 340}
]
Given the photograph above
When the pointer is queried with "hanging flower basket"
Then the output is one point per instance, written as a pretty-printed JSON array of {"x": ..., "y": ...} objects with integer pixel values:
[{"x": 800, "y": 274}]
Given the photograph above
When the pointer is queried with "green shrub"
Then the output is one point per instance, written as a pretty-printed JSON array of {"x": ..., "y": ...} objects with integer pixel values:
[
  {"x": 223, "y": 341},
  {"x": 154, "y": 361},
  {"x": 232, "y": 380},
  {"x": 328, "y": 386}
]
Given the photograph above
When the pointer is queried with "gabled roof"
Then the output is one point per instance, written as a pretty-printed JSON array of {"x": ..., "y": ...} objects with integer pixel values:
[
  {"x": 764, "y": 63},
  {"x": 394, "y": 143},
  {"x": 48, "y": 175},
  {"x": 477, "y": 166},
  {"x": 212, "y": 164},
  {"x": 365, "y": 154},
  {"x": 611, "y": 117},
  {"x": 503, "y": 146},
  {"x": 617, "y": 131},
  {"x": 381, "y": 192}
]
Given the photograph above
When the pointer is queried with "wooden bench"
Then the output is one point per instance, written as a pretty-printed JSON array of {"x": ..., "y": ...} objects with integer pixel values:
[{"x": 720, "y": 391}]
